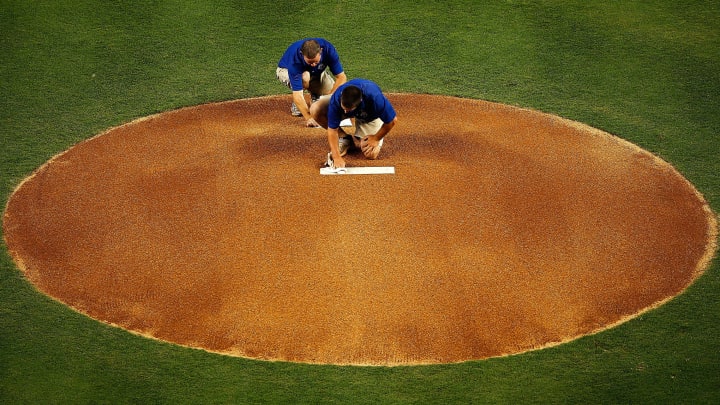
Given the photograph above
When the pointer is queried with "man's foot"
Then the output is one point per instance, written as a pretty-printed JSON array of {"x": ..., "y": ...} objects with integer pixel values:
[{"x": 295, "y": 111}]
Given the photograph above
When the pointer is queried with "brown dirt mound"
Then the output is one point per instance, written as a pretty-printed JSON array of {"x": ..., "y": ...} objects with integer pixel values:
[{"x": 503, "y": 230}]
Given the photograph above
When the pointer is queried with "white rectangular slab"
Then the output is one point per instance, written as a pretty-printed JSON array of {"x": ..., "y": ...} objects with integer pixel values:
[{"x": 358, "y": 170}]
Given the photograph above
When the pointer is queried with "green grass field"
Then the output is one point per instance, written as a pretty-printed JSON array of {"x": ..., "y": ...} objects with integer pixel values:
[{"x": 647, "y": 71}]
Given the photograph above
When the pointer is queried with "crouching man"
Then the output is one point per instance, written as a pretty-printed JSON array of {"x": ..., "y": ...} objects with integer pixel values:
[
  {"x": 374, "y": 116},
  {"x": 304, "y": 66}
]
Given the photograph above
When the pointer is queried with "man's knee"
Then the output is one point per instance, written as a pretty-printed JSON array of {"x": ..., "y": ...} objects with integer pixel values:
[
  {"x": 306, "y": 80},
  {"x": 318, "y": 111},
  {"x": 370, "y": 153},
  {"x": 314, "y": 111}
]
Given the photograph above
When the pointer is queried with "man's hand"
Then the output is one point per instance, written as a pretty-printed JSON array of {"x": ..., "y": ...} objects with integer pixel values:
[
  {"x": 338, "y": 162},
  {"x": 301, "y": 104},
  {"x": 369, "y": 144}
]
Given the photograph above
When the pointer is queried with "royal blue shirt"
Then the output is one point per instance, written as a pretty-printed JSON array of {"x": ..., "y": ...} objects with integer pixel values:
[
  {"x": 374, "y": 104},
  {"x": 293, "y": 61}
]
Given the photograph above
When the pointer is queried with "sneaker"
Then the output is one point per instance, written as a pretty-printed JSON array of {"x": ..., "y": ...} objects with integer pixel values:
[
  {"x": 314, "y": 97},
  {"x": 295, "y": 111},
  {"x": 344, "y": 144}
]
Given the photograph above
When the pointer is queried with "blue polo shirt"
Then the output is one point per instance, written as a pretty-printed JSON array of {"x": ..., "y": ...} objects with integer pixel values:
[
  {"x": 293, "y": 61},
  {"x": 374, "y": 104}
]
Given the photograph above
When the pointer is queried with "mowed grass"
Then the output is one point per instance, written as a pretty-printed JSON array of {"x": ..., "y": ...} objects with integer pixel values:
[{"x": 645, "y": 71}]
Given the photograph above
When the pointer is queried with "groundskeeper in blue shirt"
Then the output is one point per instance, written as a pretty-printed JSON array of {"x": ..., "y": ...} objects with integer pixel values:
[
  {"x": 374, "y": 104},
  {"x": 293, "y": 61},
  {"x": 374, "y": 117}
]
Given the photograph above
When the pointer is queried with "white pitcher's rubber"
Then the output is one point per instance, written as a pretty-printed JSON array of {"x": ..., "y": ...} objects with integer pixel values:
[{"x": 358, "y": 170}]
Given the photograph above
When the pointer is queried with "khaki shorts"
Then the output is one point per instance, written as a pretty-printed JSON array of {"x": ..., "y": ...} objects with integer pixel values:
[{"x": 319, "y": 85}]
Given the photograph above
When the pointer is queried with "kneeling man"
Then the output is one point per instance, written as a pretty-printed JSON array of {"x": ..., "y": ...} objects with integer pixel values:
[{"x": 374, "y": 118}]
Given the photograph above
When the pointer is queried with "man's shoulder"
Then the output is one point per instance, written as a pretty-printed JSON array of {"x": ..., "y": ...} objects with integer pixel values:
[
  {"x": 368, "y": 86},
  {"x": 290, "y": 56},
  {"x": 335, "y": 97},
  {"x": 295, "y": 45},
  {"x": 360, "y": 82}
]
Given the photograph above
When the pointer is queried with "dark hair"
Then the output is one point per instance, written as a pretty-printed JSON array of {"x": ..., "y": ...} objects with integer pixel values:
[
  {"x": 351, "y": 97},
  {"x": 310, "y": 48}
]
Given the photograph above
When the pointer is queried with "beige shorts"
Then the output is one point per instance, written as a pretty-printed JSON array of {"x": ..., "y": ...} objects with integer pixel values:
[{"x": 316, "y": 85}]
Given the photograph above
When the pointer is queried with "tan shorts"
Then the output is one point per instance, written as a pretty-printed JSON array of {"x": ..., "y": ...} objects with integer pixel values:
[{"x": 316, "y": 85}]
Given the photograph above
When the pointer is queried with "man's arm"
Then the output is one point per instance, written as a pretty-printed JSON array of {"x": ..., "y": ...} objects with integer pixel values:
[
  {"x": 340, "y": 79},
  {"x": 299, "y": 100},
  {"x": 333, "y": 139},
  {"x": 384, "y": 129}
]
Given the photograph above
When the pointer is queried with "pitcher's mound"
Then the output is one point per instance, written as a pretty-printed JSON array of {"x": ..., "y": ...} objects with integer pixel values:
[{"x": 503, "y": 230}]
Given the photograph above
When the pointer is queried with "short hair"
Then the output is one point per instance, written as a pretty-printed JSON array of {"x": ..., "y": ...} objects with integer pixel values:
[
  {"x": 351, "y": 96},
  {"x": 310, "y": 48}
]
